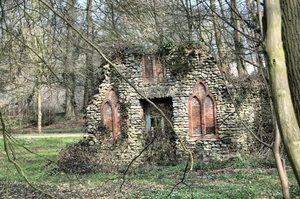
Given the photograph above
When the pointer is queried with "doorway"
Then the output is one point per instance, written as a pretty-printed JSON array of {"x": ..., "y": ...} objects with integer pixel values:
[{"x": 158, "y": 132}]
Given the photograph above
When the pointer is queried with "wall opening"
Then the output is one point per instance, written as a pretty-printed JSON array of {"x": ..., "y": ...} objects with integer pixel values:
[
  {"x": 158, "y": 132},
  {"x": 196, "y": 116},
  {"x": 107, "y": 113},
  {"x": 202, "y": 113},
  {"x": 110, "y": 113},
  {"x": 153, "y": 69}
]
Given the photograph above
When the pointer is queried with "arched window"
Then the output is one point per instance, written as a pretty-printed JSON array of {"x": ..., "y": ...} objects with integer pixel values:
[
  {"x": 110, "y": 114},
  {"x": 209, "y": 115},
  {"x": 107, "y": 113},
  {"x": 196, "y": 116},
  {"x": 202, "y": 112}
]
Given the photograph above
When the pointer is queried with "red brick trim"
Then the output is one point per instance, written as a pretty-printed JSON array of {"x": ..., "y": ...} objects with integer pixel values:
[
  {"x": 114, "y": 107},
  {"x": 152, "y": 69},
  {"x": 109, "y": 89},
  {"x": 112, "y": 116},
  {"x": 202, "y": 115}
]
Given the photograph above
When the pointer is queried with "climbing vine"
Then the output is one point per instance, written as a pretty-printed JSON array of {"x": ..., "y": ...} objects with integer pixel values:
[
  {"x": 104, "y": 131},
  {"x": 124, "y": 117},
  {"x": 176, "y": 58}
]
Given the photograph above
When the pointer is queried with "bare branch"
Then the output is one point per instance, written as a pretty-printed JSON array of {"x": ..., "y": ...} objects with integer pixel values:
[{"x": 123, "y": 77}]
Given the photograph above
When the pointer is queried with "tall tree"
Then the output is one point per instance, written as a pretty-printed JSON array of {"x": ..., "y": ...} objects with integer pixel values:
[
  {"x": 286, "y": 117},
  {"x": 36, "y": 45},
  {"x": 188, "y": 13},
  {"x": 69, "y": 62},
  {"x": 89, "y": 72},
  {"x": 218, "y": 35},
  {"x": 237, "y": 38},
  {"x": 291, "y": 43}
]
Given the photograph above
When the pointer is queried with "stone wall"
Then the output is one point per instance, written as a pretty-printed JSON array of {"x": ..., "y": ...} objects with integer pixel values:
[{"x": 229, "y": 136}]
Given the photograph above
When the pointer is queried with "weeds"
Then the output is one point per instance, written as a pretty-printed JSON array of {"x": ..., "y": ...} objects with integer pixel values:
[{"x": 241, "y": 177}]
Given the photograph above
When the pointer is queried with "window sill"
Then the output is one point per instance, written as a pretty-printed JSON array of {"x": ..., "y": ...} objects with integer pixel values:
[{"x": 203, "y": 137}]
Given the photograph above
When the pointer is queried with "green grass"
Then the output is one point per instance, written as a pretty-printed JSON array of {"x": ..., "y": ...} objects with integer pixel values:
[
  {"x": 33, "y": 155},
  {"x": 217, "y": 182},
  {"x": 233, "y": 178}
]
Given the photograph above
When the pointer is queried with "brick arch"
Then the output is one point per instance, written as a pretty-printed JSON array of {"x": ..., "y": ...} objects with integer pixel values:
[
  {"x": 112, "y": 95},
  {"x": 200, "y": 88},
  {"x": 202, "y": 112},
  {"x": 109, "y": 110}
]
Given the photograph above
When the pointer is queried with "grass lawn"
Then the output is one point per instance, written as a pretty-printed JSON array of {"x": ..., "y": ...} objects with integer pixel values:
[{"x": 235, "y": 178}]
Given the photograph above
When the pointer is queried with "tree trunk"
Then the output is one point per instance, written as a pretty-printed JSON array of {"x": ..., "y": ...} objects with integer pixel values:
[
  {"x": 238, "y": 44},
  {"x": 38, "y": 67},
  {"x": 218, "y": 35},
  {"x": 69, "y": 76},
  {"x": 39, "y": 104},
  {"x": 291, "y": 44},
  {"x": 280, "y": 168},
  {"x": 286, "y": 117},
  {"x": 89, "y": 75}
]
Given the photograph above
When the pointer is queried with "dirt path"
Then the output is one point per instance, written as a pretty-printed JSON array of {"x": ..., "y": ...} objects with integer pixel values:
[{"x": 48, "y": 135}]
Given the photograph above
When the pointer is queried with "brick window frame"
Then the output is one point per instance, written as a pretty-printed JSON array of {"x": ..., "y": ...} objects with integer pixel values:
[
  {"x": 202, "y": 113},
  {"x": 111, "y": 99},
  {"x": 153, "y": 69}
]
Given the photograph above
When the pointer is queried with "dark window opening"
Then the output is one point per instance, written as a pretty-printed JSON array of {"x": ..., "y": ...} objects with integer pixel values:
[{"x": 153, "y": 70}]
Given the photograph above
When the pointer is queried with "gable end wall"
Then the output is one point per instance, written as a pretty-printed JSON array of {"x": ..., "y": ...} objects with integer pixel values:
[{"x": 233, "y": 138}]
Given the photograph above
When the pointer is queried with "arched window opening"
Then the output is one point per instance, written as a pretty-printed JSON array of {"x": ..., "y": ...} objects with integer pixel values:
[
  {"x": 209, "y": 115},
  {"x": 110, "y": 114},
  {"x": 200, "y": 89},
  {"x": 112, "y": 96},
  {"x": 202, "y": 113},
  {"x": 107, "y": 113},
  {"x": 196, "y": 116}
]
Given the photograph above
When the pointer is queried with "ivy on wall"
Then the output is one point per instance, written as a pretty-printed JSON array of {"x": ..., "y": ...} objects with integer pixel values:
[{"x": 176, "y": 58}]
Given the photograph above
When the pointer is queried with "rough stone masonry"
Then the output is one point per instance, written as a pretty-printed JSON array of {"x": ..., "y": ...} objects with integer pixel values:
[{"x": 198, "y": 103}]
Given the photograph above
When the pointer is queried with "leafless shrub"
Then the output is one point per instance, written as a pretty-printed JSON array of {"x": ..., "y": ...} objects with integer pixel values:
[{"x": 81, "y": 158}]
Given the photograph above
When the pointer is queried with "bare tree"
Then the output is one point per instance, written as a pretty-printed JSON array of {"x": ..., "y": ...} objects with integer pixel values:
[
  {"x": 286, "y": 117},
  {"x": 290, "y": 37},
  {"x": 218, "y": 35},
  {"x": 89, "y": 72},
  {"x": 69, "y": 62},
  {"x": 238, "y": 43}
]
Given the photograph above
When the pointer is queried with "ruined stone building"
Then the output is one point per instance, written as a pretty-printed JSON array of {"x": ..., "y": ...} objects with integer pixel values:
[{"x": 191, "y": 91}]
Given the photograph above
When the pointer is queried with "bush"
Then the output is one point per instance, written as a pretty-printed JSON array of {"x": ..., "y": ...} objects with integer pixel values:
[
  {"x": 80, "y": 158},
  {"x": 76, "y": 158}
]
